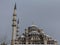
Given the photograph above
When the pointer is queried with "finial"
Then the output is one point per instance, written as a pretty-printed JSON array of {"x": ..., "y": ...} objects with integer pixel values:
[{"x": 33, "y": 24}]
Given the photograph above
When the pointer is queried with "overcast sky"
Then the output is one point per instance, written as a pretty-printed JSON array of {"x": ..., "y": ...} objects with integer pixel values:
[{"x": 44, "y": 13}]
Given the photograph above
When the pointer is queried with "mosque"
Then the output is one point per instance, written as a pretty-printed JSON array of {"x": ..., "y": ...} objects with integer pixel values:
[{"x": 32, "y": 35}]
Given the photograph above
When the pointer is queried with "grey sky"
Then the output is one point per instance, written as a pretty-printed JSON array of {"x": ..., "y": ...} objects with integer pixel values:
[{"x": 44, "y": 13}]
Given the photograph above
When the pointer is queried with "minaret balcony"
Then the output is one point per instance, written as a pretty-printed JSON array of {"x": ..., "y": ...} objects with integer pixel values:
[
  {"x": 17, "y": 31},
  {"x": 17, "y": 35},
  {"x": 14, "y": 14},
  {"x": 14, "y": 25},
  {"x": 13, "y": 20}
]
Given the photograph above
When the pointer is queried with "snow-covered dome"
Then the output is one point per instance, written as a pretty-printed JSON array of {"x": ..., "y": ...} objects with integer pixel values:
[
  {"x": 55, "y": 40},
  {"x": 43, "y": 32},
  {"x": 34, "y": 32},
  {"x": 47, "y": 36},
  {"x": 22, "y": 36}
]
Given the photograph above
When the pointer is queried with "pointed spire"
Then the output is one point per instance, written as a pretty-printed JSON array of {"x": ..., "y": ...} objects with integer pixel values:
[
  {"x": 18, "y": 21},
  {"x": 15, "y": 6},
  {"x": 33, "y": 24},
  {"x": 14, "y": 13}
]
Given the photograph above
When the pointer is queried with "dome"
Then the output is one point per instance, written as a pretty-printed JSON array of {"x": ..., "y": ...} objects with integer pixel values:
[
  {"x": 34, "y": 32},
  {"x": 47, "y": 36},
  {"x": 33, "y": 26},
  {"x": 55, "y": 40},
  {"x": 22, "y": 36},
  {"x": 42, "y": 32}
]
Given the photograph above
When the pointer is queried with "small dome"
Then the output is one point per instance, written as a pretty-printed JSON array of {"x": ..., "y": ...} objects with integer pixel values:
[
  {"x": 43, "y": 32},
  {"x": 22, "y": 36},
  {"x": 55, "y": 40},
  {"x": 49, "y": 36}
]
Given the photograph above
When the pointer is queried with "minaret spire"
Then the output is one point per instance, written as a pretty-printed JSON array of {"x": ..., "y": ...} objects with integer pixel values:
[
  {"x": 15, "y": 6},
  {"x": 14, "y": 13}
]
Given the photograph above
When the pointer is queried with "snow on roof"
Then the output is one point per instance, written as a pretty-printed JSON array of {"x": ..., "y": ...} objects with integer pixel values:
[
  {"x": 22, "y": 36},
  {"x": 34, "y": 32},
  {"x": 34, "y": 25}
]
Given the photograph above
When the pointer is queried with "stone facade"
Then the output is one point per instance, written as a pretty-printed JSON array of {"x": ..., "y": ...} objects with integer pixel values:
[{"x": 32, "y": 35}]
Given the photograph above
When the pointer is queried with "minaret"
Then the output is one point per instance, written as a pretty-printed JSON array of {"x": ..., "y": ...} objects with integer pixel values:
[
  {"x": 14, "y": 26},
  {"x": 17, "y": 31}
]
